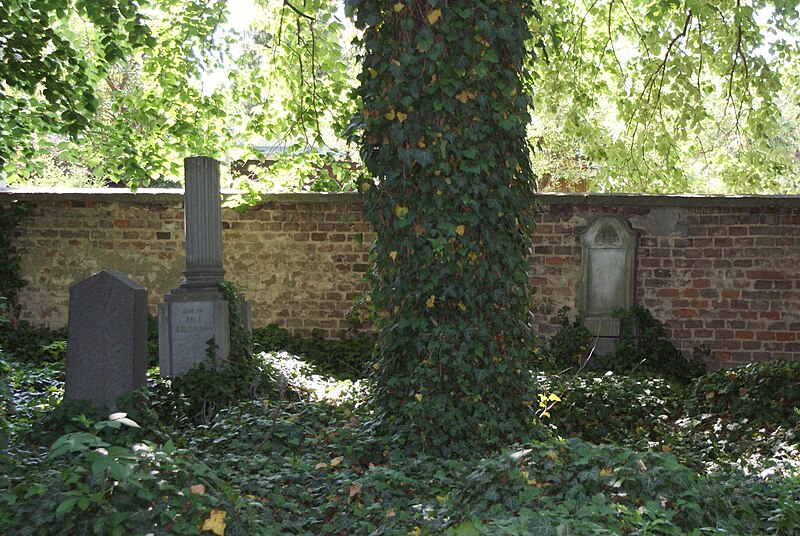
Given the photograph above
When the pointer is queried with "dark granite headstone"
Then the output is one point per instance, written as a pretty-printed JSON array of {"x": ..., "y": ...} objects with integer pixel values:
[{"x": 107, "y": 338}]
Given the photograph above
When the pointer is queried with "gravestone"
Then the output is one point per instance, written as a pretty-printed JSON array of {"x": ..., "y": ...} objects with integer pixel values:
[
  {"x": 194, "y": 318},
  {"x": 608, "y": 264},
  {"x": 106, "y": 338}
]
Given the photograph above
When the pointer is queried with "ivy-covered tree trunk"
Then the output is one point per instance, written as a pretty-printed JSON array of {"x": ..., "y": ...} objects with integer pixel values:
[{"x": 443, "y": 119}]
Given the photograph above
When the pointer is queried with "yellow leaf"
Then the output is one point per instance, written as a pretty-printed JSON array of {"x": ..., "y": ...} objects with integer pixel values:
[
  {"x": 434, "y": 15},
  {"x": 416, "y": 532},
  {"x": 439, "y": 192},
  {"x": 400, "y": 211},
  {"x": 390, "y": 512},
  {"x": 460, "y": 230},
  {"x": 215, "y": 523},
  {"x": 473, "y": 256},
  {"x": 401, "y": 116},
  {"x": 462, "y": 306},
  {"x": 421, "y": 144},
  {"x": 606, "y": 471},
  {"x": 431, "y": 302},
  {"x": 198, "y": 489},
  {"x": 393, "y": 255},
  {"x": 365, "y": 186},
  {"x": 462, "y": 97},
  {"x": 336, "y": 461},
  {"x": 321, "y": 465},
  {"x": 390, "y": 115},
  {"x": 418, "y": 396},
  {"x": 398, "y": 7},
  {"x": 372, "y": 72}
]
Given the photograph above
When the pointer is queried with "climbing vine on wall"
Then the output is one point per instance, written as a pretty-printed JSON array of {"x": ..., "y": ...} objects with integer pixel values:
[
  {"x": 442, "y": 127},
  {"x": 11, "y": 281}
]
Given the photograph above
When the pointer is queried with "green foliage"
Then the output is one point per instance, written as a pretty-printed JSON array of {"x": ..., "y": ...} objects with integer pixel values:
[
  {"x": 573, "y": 487},
  {"x": 568, "y": 348},
  {"x": 28, "y": 344},
  {"x": 345, "y": 357},
  {"x": 633, "y": 411},
  {"x": 303, "y": 463},
  {"x": 453, "y": 217},
  {"x": 49, "y": 72},
  {"x": 11, "y": 281},
  {"x": 654, "y": 96},
  {"x": 6, "y": 403},
  {"x": 747, "y": 416},
  {"x": 643, "y": 345},
  {"x": 213, "y": 384},
  {"x": 90, "y": 485},
  {"x": 125, "y": 99},
  {"x": 760, "y": 393}
]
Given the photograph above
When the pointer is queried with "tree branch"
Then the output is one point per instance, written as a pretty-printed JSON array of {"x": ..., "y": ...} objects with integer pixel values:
[{"x": 296, "y": 10}]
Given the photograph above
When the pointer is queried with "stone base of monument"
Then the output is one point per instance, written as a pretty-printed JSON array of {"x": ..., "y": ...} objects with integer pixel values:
[
  {"x": 605, "y": 333},
  {"x": 188, "y": 323},
  {"x": 188, "y": 320}
]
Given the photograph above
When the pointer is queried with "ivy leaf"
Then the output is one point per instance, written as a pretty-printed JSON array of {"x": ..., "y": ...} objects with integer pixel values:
[
  {"x": 215, "y": 522},
  {"x": 122, "y": 418}
]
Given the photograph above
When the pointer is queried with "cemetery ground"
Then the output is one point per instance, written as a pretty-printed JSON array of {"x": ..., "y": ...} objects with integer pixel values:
[{"x": 644, "y": 444}]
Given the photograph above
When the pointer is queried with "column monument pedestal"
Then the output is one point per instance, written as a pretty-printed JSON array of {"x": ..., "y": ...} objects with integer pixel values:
[{"x": 193, "y": 321}]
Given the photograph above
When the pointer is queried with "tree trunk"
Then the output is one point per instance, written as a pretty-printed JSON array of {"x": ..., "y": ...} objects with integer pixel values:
[{"x": 443, "y": 131}]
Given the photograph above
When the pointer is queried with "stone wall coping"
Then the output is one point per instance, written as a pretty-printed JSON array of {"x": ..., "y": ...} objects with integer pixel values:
[{"x": 174, "y": 194}]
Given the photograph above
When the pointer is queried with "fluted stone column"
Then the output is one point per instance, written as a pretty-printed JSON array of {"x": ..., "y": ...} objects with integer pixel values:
[
  {"x": 194, "y": 318},
  {"x": 203, "y": 224}
]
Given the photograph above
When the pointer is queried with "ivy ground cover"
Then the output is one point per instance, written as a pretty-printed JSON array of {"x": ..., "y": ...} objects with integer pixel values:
[{"x": 626, "y": 455}]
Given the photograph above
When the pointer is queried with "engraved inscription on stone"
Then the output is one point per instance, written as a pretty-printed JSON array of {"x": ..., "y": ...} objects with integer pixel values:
[
  {"x": 606, "y": 282},
  {"x": 190, "y": 319},
  {"x": 193, "y": 317}
]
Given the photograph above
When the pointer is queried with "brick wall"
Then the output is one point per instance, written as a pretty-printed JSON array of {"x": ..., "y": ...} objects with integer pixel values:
[{"x": 724, "y": 271}]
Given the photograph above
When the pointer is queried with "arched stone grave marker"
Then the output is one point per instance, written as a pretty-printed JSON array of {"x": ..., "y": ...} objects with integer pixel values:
[{"x": 608, "y": 264}]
